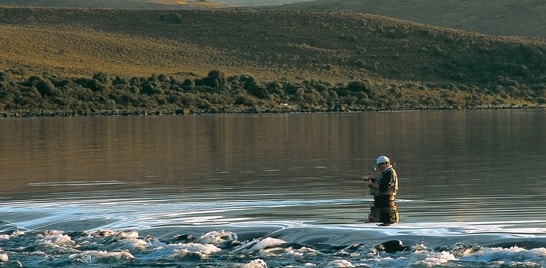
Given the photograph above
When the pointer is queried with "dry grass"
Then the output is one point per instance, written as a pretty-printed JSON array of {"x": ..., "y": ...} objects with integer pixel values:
[
  {"x": 270, "y": 45},
  {"x": 140, "y": 42},
  {"x": 148, "y": 4},
  {"x": 497, "y": 17},
  {"x": 75, "y": 52}
]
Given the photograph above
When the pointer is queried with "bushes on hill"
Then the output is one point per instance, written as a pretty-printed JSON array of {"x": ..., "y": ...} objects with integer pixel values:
[{"x": 48, "y": 94}]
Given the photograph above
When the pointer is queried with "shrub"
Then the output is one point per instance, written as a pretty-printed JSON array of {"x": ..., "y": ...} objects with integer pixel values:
[
  {"x": 102, "y": 78},
  {"x": 46, "y": 88},
  {"x": 175, "y": 18},
  {"x": 360, "y": 86},
  {"x": 245, "y": 100},
  {"x": 4, "y": 76},
  {"x": 257, "y": 90},
  {"x": 151, "y": 88},
  {"x": 92, "y": 84},
  {"x": 188, "y": 84}
]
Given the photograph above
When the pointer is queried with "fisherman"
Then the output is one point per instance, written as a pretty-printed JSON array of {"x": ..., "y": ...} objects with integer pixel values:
[{"x": 385, "y": 187}]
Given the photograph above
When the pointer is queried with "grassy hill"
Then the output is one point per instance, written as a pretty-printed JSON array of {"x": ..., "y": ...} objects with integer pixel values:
[
  {"x": 269, "y": 44},
  {"x": 496, "y": 17},
  {"x": 126, "y": 4},
  {"x": 383, "y": 55}
]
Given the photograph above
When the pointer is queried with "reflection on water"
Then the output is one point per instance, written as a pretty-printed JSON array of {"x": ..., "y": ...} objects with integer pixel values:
[
  {"x": 386, "y": 215},
  {"x": 452, "y": 165}
]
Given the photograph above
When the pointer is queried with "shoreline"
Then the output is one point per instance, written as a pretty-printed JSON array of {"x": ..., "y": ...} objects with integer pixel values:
[{"x": 181, "y": 112}]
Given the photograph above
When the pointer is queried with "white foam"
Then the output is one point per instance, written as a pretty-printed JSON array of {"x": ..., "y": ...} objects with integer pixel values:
[
  {"x": 98, "y": 256},
  {"x": 218, "y": 237},
  {"x": 339, "y": 263},
  {"x": 55, "y": 239},
  {"x": 303, "y": 251},
  {"x": 514, "y": 254},
  {"x": 437, "y": 258},
  {"x": 258, "y": 263},
  {"x": 204, "y": 249},
  {"x": 267, "y": 242},
  {"x": 127, "y": 234}
]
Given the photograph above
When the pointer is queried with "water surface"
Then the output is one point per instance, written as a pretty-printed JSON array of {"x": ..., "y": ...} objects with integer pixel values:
[{"x": 276, "y": 190}]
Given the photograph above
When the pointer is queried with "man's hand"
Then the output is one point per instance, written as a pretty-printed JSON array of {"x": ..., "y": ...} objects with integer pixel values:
[{"x": 371, "y": 183}]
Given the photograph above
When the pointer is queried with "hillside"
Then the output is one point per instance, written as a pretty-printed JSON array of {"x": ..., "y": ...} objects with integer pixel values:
[
  {"x": 496, "y": 17},
  {"x": 383, "y": 54},
  {"x": 125, "y": 4},
  {"x": 271, "y": 44}
]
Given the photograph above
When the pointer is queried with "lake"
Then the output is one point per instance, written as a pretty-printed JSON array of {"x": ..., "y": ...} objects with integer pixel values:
[{"x": 273, "y": 190}]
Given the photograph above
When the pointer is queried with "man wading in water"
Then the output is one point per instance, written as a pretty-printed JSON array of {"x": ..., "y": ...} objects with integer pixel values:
[{"x": 384, "y": 190}]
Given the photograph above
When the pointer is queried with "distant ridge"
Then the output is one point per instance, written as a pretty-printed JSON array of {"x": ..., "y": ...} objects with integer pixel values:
[
  {"x": 125, "y": 4},
  {"x": 496, "y": 17}
]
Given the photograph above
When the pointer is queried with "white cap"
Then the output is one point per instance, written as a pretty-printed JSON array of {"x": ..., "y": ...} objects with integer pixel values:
[{"x": 380, "y": 160}]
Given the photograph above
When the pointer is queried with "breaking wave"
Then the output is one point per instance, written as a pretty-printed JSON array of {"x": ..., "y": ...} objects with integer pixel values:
[{"x": 147, "y": 233}]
